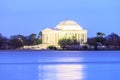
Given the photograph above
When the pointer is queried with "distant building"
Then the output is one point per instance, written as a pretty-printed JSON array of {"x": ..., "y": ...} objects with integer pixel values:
[{"x": 64, "y": 29}]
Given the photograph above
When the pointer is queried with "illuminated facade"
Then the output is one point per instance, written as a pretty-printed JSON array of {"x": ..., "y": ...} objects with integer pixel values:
[{"x": 65, "y": 29}]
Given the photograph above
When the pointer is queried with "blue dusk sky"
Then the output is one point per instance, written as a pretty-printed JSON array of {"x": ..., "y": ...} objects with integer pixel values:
[{"x": 31, "y": 16}]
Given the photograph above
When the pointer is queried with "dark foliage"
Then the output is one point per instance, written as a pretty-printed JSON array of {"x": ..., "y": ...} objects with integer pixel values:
[
  {"x": 52, "y": 47},
  {"x": 18, "y": 41},
  {"x": 112, "y": 40}
]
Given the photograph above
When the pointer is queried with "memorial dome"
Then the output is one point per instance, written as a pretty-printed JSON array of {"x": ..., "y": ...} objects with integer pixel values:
[{"x": 68, "y": 25}]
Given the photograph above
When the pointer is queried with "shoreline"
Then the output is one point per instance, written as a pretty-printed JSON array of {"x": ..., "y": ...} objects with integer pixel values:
[{"x": 60, "y": 50}]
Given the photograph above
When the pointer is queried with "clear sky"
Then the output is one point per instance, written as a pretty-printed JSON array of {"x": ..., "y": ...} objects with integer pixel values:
[{"x": 31, "y": 16}]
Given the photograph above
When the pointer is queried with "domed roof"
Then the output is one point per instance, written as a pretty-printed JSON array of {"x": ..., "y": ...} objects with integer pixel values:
[{"x": 68, "y": 25}]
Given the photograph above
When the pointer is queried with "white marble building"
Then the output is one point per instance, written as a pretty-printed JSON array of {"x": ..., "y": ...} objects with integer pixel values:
[{"x": 66, "y": 29}]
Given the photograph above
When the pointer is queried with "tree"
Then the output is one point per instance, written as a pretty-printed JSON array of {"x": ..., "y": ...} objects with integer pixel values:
[
  {"x": 100, "y": 34},
  {"x": 100, "y": 37},
  {"x": 52, "y": 47},
  {"x": 37, "y": 41},
  {"x": 65, "y": 42},
  {"x": 3, "y": 42},
  {"x": 91, "y": 41},
  {"x": 33, "y": 39},
  {"x": 113, "y": 39},
  {"x": 40, "y": 37},
  {"x": 16, "y": 41},
  {"x": 40, "y": 34},
  {"x": 95, "y": 41},
  {"x": 75, "y": 41}
]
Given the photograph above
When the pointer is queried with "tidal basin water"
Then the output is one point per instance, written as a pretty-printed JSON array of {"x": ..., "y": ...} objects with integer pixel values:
[{"x": 59, "y": 65}]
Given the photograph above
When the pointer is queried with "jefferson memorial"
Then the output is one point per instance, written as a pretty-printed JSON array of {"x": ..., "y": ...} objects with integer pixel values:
[{"x": 65, "y": 29}]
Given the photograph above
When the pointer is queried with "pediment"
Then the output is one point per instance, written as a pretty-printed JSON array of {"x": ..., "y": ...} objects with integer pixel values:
[{"x": 47, "y": 29}]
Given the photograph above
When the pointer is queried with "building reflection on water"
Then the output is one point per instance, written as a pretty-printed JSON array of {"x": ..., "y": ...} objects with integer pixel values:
[{"x": 61, "y": 71}]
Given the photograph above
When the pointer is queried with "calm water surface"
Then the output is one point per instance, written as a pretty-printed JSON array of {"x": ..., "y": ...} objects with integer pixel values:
[{"x": 59, "y": 65}]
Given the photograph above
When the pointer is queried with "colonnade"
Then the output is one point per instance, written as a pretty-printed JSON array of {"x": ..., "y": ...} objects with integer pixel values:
[{"x": 52, "y": 37}]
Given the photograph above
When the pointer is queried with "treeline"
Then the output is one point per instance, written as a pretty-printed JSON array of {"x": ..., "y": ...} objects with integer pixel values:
[
  {"x": 100, "y": 41},
  {"x": 18, "y": 41},
  {"x": 111, "y": 41}
]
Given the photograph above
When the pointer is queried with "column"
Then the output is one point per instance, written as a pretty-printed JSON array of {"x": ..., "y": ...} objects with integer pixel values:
[
  {"x": 77, "y": 36},
  {"x": 44, "y": 38}
]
